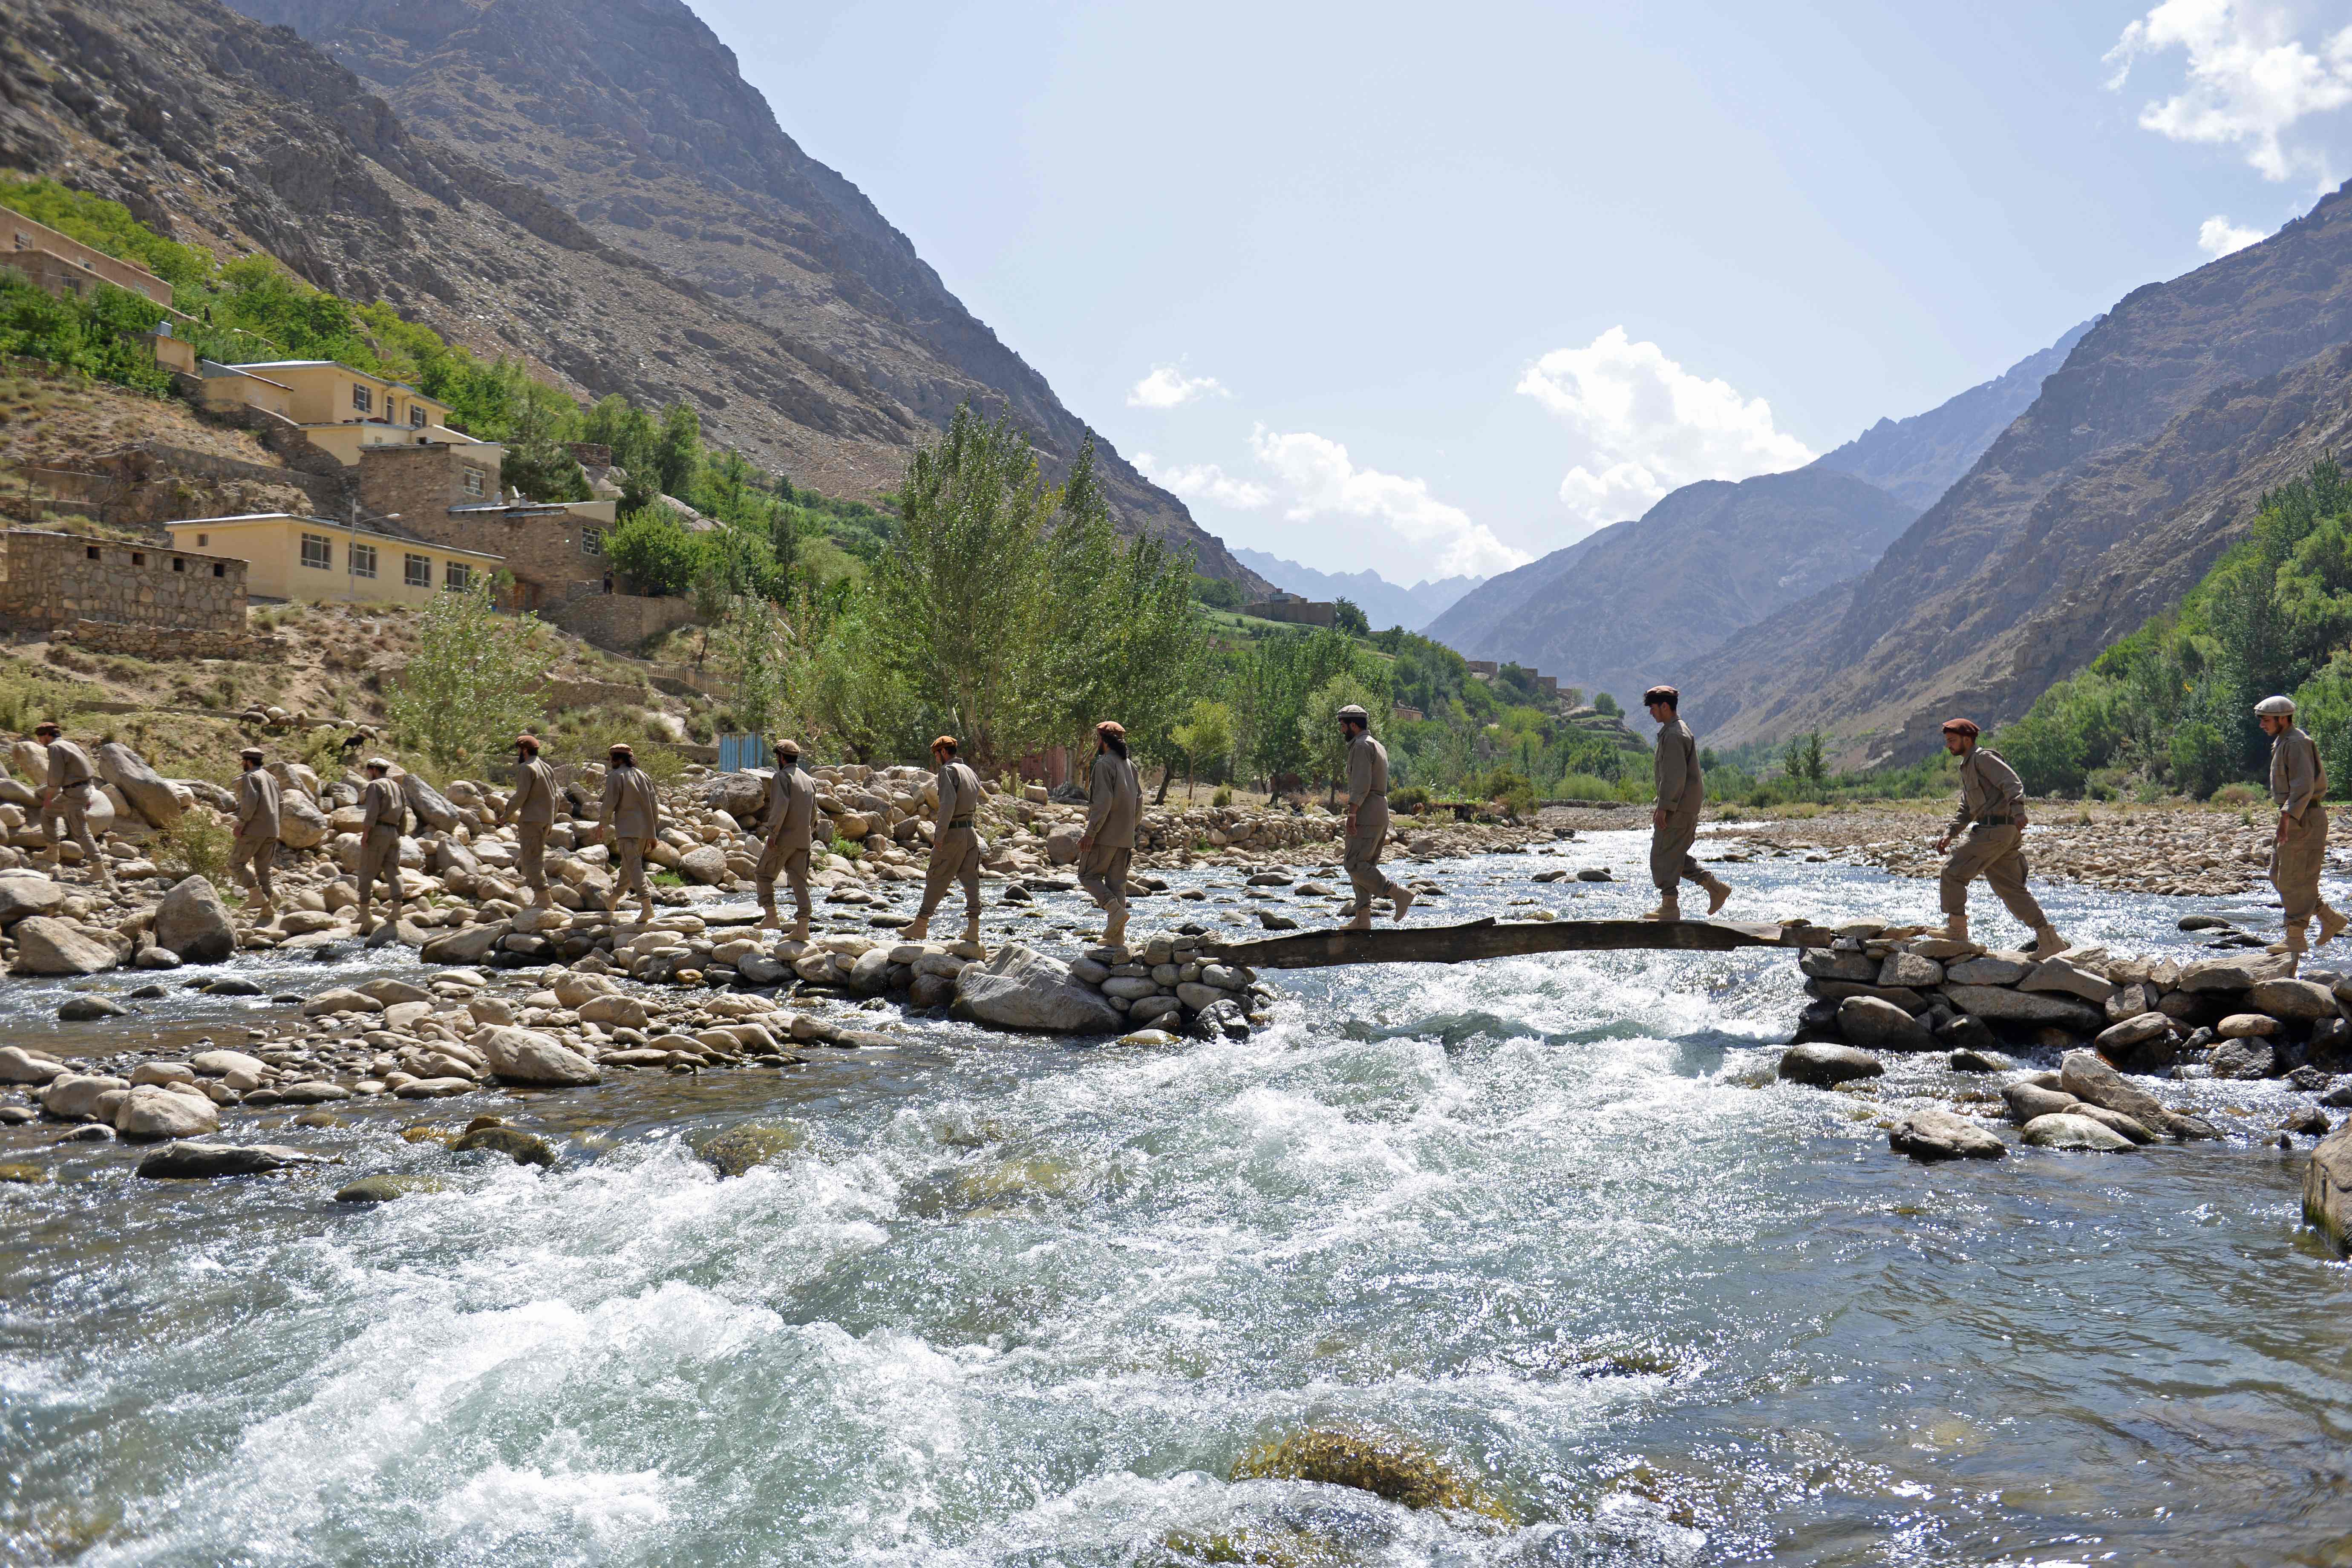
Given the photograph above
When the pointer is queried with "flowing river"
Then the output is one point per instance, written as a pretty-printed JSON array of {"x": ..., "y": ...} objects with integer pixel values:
[{"x": 1022, "y": 1302}]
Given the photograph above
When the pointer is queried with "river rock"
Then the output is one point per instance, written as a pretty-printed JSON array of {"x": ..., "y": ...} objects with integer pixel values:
[
  {"x": 23, "y": 893},
  {"x": 1909, "y": 969},
  {"x": 2079, "y": 1133},
  {"x": 2328, "y": 1188},
  {"x": 2239, "y": 971},
  {"x": 76, "y": 1097},
  {"x": 1870, "y": 1021},
  {"x": 1062, "y": 845},
  {"x": 528, "y": 1056},
  {"x": 340, "y": 999},
  {"x": 1838, "y": 963},
  {"x": 2244, "y": 1058},
  {"x": 1971, "y": 1058},
  {"x": 870, "y": 975},
  {"x": 18, "y": 1065},
  {"x": 2027, "y": 1100},
  {"x": 301, "y": 824},
  {"x": 522, "y": 1148},
  {"x": 746, "y": 1147},
  {"x": 46, "y": 946},
  {"x": 1931, "y": 1135},
  {"x": 2130, "y": 1127},
  {"x": 614, "y": 1012},
  {"x": 151, "y": 1112},
  {"x": 187, "y": 1162},
  {"x": 434, "y": 1087},
  {"x": 193, "y": 922},
  {"x": 738, "y": 794},
  {"x": 312, "y": 1091},
  {"x": 2304, "y": 1000},
  {"x": 1824, "y": 1064},
  {"x": 758, "y": 969},
  {"x": 465, "y": 945},
  {"x": 427, "y": 803},
  {"x": 1023, "y": 989},
  {"x": 384, "y": 1189},
  {"x": 2082, "y": 1075},
  {"x": 391, "y": 992},
  {"x": 1990, "y": 969},
  {"x": 2247, "y": 1026},
  {"x": 90, "y": 1008},
  {"x": 141, "y": 785},
  {"x": 2119, "y": 1041},
  {"x": 2004, "y": 1006},
  {"x": 2057, "y": 974},
  {"x": 221, "y": 1063},
  {"x": 705, "y": 864}
]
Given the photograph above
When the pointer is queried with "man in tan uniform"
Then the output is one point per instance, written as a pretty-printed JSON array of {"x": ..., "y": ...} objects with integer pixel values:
[
  {"x": 384, "y": 812},
  {"x": 1990, "y": 827},
  {"x": 2299, "y": 851},
  {"x": 532, "y": 809},
  {"x": 631, "y": 821},
  {"x": 792, "y": 828},
  {"x": 1368, "y": 819},
  {"x": 1674, "y": 817},
  {"x": 257, "y": 825},
  {"x": 67, "y": 798},
  {"x": 955, "y": 844},
  {"x": 1114, "y": 810}
]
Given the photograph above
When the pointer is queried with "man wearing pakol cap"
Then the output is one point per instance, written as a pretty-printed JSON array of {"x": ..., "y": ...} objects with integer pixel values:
[
  {"x": 383, "y": 814},
  {"x": 2299, "y": 849},
  {"x": 1368, "y": 819},
  {"x": 1674, "y": 817},
  {"x": 1114, "y": 808},
  {"x": 955, "y": 844},
  {"x": 532, "y": 809},
  {"x": 1990, "y": 826},
  {"x": 257, "y": 823},
  {"x": 631, "y": 821},
  {"x": 791, "y": 825},
  {"x": 67, "y": 798}
]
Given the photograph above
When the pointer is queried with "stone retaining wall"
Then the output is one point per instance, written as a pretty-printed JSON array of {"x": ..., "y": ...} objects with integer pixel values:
[
  {"x": 621, "y": 621},
  {"x": 164, "y": 642},
  {"x": 52, "y": 579}
]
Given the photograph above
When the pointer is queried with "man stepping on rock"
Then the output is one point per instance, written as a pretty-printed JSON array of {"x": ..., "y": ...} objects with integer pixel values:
[
  {"x": 1990, "y": 826},
  {"x": 955, "y": 844},
  {"x": 2299, "y": 849},
  {"x": 1368, "y": 819},
  {"x": 1674, "y": 817},
  {"x": 66, "y": 799},
  {"x": 384, "y": 812},
  {"x": 259, "y": 819},
  {"x": 1114, "y": 807},
  {"x": 791, "y": 829},
  {"x": 631, "y": 824},
  {"x": 532, "y": 809}
]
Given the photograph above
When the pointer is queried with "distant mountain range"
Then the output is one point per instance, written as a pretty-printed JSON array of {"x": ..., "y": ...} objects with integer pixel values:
[
  {"x": 1383, "y": 603},
  {"x": 1639, "y": 603}
]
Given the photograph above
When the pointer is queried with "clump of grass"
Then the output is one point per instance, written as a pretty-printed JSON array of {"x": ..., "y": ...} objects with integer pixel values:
[{"x": 195, "y": 846}]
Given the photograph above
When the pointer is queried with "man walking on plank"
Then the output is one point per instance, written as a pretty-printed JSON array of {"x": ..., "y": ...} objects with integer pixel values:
[
  {"x": 1990, "y": 826},
  {"x": 1674, "y": 817}
]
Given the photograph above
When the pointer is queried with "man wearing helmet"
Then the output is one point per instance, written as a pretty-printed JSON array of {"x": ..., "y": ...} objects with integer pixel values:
[
  {"x": 2299, "y": 785},
  {"x": 1368, "y": 819},
  {"x": 1991, "y": 828}
]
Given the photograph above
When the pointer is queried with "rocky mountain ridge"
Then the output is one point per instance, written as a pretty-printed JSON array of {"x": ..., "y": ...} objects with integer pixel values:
[{"x": 1384, "y": 603}]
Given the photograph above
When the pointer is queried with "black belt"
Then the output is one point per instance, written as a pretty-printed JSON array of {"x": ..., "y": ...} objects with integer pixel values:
[
  {"x": 1995, "y": 821},
  {"x": 955, "y": 822}
]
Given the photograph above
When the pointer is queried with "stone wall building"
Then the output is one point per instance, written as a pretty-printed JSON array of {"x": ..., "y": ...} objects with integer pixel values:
[
  {"x": 48, "y": 580},
  {"x": 1292, "y": 609},
  {"x": 553, "y": 550}
]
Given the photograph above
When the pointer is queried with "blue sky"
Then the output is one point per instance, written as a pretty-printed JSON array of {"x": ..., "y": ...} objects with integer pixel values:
[{"x": 1441, "y": 289}]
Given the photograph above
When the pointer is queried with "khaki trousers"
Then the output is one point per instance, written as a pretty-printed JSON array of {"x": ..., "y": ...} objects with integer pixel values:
[
  {"x": 1992, "y": 853},
  {"x": 530, "y": 853},
  {"x": 774, "y": 861},
  {"x": 249, "y": 861},
  {"x": 955, "y": 858},
  {"x": 1103, "y": 873},
  {"x": 1361, "y": 854},
  {"x": 629, "y": 867},
  {"x": 1671, "y": 862},
  {"x": 380, "y": 862},
  {"x": 71, "y": 807},
  {"x": 2295, "y": 862}
]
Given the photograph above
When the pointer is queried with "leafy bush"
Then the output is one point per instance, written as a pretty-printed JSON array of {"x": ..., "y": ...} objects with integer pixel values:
[
  {"x": 476, "y": 679},
  {"x": 1410, "y": 799},
  {"x": 654, "y": 551},
  {"x": 2239, "y": 794},
  {"x": 194, "y": 845},
  {"x": 104, "y": 226},
  {"x": 1224, "y": 795},
  {"x": 94, "y": 334}
]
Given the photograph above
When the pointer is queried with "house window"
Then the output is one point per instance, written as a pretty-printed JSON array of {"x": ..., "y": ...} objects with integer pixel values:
[
  {"x": 591, "y": 542},
  {"x": 362, "y": 398},
  {"x": 362, "y": 560},
  {"x": 138, "y": 558},
  {"x": 178, "y": 565},
  {"x": 91, "y": 550},
  {"x": 317, "y": 552},
  {"x": 203, "y": 539},
  {"x": 416, "y": 571},
  {"x": 416, "y": 416},
  {"x": 219, "y": 568},
  {"x": 456, "y": 576},
  {"x": 473, "y": 481}
]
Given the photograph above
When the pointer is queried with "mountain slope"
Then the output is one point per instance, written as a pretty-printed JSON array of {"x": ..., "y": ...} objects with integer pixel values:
[
  {"x": 222, "y": 132},
  {"x": 2160, "y": 427},
  {"x": 1383, "y": 603},
  {"x": 1636, "y": 603},
  {"x": 1918, "y": 459}
]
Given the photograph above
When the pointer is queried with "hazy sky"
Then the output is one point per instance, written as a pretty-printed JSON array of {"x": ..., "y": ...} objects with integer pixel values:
[{"x": 1441, "y": 289}]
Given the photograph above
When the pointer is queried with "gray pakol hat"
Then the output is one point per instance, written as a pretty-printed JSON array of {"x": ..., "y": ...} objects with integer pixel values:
[
  {"x": 2275, "y": 708},
  {"x": 378, "y": 765},
  {"x": 1353, "y": 712}
]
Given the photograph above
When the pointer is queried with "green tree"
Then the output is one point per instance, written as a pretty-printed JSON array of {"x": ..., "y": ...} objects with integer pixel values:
[
  {"x": 654, "y": 551},
  {"x": 677, "y": 452},
  {"x": 1325, "y": 745},
  {"x": 1218, "y": 594},
  {"x": 476, "y": 679},
  {"x": 753, "y": 655},
  {"x": 1205, "y": 740},
  {"x": 1804, "y": 759},
  {"x": 1602, "y": 702},
  {"x": 1348, "y": 617}
]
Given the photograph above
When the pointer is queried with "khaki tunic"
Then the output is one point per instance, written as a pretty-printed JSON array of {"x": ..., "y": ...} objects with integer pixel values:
[
  {"x": 1682, "y": 795},
  {"x": 1367, "y": 806},
  {"x": 75, "y": 790},
  {"x": 791, "y": 829},
  {"x": 1987, "y": 840},
  {"x": 631, "y": 821},
  {"x": 257, "y": 825},
  {"x": 531, "y": 809},
  {"x": 955, "y": 843},
  {"x": 1114, "y": 811},
  {"x": 2298, "y": 783},
  {"x": 382, "y": 812}
]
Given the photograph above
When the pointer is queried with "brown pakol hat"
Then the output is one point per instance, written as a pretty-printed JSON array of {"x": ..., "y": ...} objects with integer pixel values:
[
  {"x": 621, "y": 749},
  {"x": 1111, "y": 727},
  {"x": 788, "y": 748},
  {"x": 944, "y": 743},
  {"x": 526, "y": 742},
  {"x": 1968, "y": 727},
  {"x": 250, "y": 754}
]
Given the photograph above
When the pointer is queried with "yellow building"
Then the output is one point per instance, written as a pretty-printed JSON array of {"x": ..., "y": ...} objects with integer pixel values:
[
  {"x": 341, "y": 409},
  {"x": 310, "y": 559}
]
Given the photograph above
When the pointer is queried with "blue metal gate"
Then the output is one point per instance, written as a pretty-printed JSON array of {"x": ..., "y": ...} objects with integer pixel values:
[{"x": 738, "y": 753}]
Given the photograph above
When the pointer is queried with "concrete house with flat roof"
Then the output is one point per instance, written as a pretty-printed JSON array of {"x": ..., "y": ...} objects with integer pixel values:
[
  {"x": 63, "y": 265},
  {"x": 316, "y": 561}
]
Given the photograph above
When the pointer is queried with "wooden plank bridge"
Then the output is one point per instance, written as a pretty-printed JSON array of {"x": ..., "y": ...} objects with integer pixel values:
[{"x": 1491, "y": 938}]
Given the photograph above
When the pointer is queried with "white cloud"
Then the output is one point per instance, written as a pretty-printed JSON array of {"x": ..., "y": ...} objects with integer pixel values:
[
  {"x": 1642, "y": 425},
  {"x": 1169, "y": 387},
  {"x": 1318, "y": 478},
  {"x": 2218, "y": 236},
  {"x": 1204, "y": 481},
  {"x": 2249, "y": 80}
]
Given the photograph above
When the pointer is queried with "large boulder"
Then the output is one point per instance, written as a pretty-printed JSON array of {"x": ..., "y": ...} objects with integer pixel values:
[
  {"x": 2082, "y": 1075},
  {"x": 2304, "y": 1000},
  {"x": 1062, "y": 844},
  {"x": 191, "y": 1161},
  {"x": 152, "y": 1111},
  {"x": 466, "y": 944},
  {"x": 18, "y": 1065},
  {"x": 740, "y": 795},
  {"x": 2027, "y": 1102},
  {"x": 301, "y": 824},
  {"x": 1931, "y": 1135},
  {"x": 528, "y": 1056},
  {"x": 194, "y": 924},
  {"x": 705, "y": 864},
  {"x": 2003, "y": 1005},
  {"x": 1871, "y": 1023},
  {"x": 149, "y": 795},
  {"x": 431, "y": 807},
  {"x": 46, "y": 946},
  {"x": 1824, "y": 1064},
  {"x": 2119, "y": 1042},
  {"x": 2080, "y": 1133},
  {"x": 2239, "y": 971},
  {"x": 614, "y": 1012},
  {"x": 23, "y": 893},
  {"x": 76, "y": 1097},
  {"x": 2328, "y": 1188},
  {"x": 1021, "y": 988}
]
